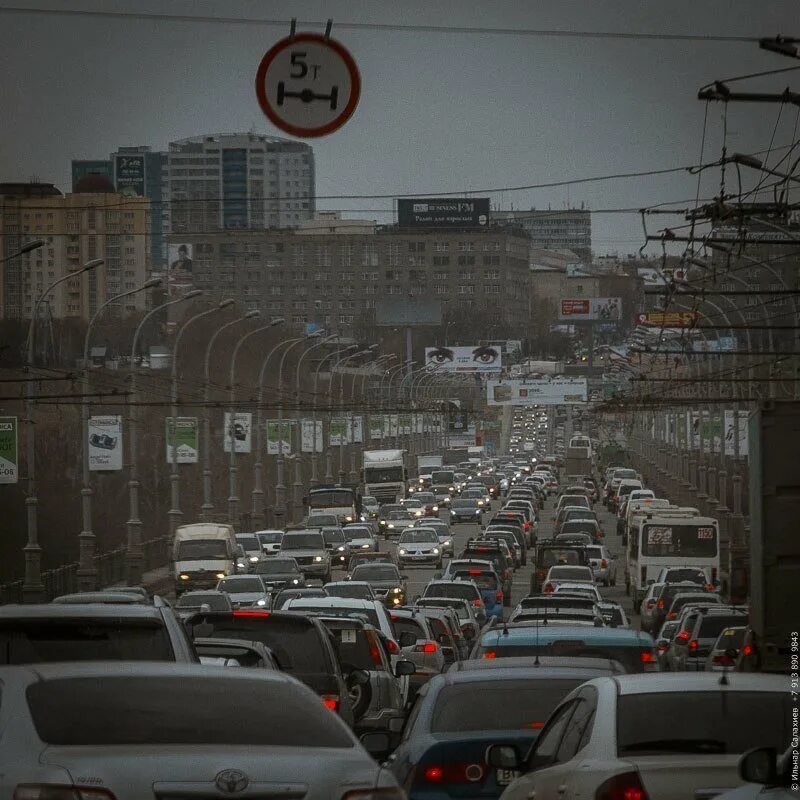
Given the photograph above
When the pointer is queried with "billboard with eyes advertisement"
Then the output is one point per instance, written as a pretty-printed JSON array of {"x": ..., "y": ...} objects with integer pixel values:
[{"x": 477, "y": 358}]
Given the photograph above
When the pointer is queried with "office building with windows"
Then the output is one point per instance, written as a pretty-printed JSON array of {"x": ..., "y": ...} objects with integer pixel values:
[{"x": 554, "y": 229}]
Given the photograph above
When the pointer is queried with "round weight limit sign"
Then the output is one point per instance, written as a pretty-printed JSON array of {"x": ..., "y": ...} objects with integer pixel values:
[{"x": 308, "y": 85}]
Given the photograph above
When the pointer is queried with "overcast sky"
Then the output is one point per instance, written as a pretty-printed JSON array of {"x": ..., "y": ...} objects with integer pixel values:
[{"x": 438, "y": 112}]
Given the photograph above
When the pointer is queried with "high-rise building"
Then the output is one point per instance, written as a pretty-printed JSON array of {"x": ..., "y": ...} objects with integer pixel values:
[
  {"x": 239, "y": 180},
  {"x": 92, "y": 222},
  {"x": 82, "y": 168},
  {"x": 559, "y": 229}
]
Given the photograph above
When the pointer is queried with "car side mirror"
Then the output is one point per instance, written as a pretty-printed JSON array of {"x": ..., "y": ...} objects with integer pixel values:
[
  {"x": 503, "y": 756},
  {"x": 377, "y": 744},
  {"x": 405, "y": 668},
  {"x": 760, "y": 766}
]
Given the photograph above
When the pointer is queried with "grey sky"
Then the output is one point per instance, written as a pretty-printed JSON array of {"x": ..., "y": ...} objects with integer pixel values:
[{"x": 439, "y": 112}]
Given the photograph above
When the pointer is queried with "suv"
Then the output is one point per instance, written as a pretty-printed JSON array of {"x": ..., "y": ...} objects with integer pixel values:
[
  {"x": 33, "y": 634},
  {"x": 307, "y": 548},
  {"x": 692, "y": 645}
]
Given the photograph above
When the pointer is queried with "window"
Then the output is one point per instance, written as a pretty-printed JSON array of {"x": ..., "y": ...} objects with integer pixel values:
[
  {"x": 466, "y": 261},
  {"x": 576, "y": 728},
  {"x": 491, "y": 261},
  {"x": 345, "y": 276},
  {"x": 416, "y": 247},
  {"x": 441, "y": 247},
  {"x": 550, "y": 737},
  {"x": 441, "y": 261}
]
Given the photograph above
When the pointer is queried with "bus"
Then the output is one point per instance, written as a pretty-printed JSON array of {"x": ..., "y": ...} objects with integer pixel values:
[
  {"x": 671, "y": 540},
  {"x": 343, "y": 501}
]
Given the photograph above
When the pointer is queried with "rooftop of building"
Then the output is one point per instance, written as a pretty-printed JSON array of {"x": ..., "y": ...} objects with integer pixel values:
[
  {"x": 229, "y": 136},
  {"x": 31, "y": 189}
]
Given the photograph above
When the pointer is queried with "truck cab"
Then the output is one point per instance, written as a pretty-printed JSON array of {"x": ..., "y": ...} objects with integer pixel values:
[{"x": 203, "y": 554}]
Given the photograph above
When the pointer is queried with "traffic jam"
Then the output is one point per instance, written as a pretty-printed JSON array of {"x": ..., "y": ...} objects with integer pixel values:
[{"x": 531, "y": 625}]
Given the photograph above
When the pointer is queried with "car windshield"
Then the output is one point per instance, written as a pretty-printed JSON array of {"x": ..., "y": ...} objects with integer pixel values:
[
  {"x": 712, "y": 625},
  {"x": 570, "y": 573},
  {"x": 418, "y": 535},
  {"x": 35, "y": 641},
  {"x": 579, "y": 526},
  {"x": 248, "y": 542},
  {"x": 483, "y": 580},
  {"x": 277, "y": 566},
  {"x": 232, "y": 713},
  {"x": 400, "y": 515},
  {"x": 425, "y": 497},
  {"x": 241, "y": 585},
  {"x": 723, "y": 722},
  {"x": 202, "y": 550},
  {"x": 368, "y": 502},
  {"x": 215, "y": 601},
  {"x": 303, "y": 541},
  {"x": 270, "y": 538},
  {"x": 333, "y": 536},
  {"x": 683, "y": 575},
  {"x": 376, "y": 572},
  {"x": 356, "y": 591},
  {"x": 460, "y": 589},
  {"x": 498, "y": 705},
  {"x": 464, "y": 503},
  {"x": 351, "y": 534}
]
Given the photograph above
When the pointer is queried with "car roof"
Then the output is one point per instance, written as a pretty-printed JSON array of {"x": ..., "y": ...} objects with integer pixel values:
[
  {"x": 73, "y": 610},
  {"x": 333, "y": 602},
  {"x": 545, "y": 634},
  {"x": 559, "y": 663},
  {"x": 653, "y": 682},
  {"x": 503, "y": 673}
]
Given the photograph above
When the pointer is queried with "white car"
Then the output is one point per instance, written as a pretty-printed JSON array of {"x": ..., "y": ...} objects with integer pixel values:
[
  {"x": 270, "y": 541},
  {"x": 419, "y": 546},
  {"x": 603, "y": 564},
  {"x": 583, "y": 589},
  {"x": 657, "y": 736},
  {"x": 360, "y": 537},
  {"x": 649, "y": 607},
  {"x": 87, "y": 730},
  {"x": 565, "y": 573}
]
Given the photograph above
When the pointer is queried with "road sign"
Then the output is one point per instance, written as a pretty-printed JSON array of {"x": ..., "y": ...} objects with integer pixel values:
[
  {"x": 9, "y": 458},
  {"x": 668, "y": 319},
  {"x": 308, "y": 85}
]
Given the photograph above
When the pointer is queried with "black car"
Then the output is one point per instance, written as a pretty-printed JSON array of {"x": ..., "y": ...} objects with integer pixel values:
[
  {"x": 278, "y": 573},
  {"x": 550, "y": 553},
  {"x": 465, "y": 510}
]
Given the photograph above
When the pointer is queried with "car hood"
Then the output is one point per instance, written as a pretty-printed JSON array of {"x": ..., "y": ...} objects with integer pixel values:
[
  {"x": 424, "y": 546},
  {"x": 385, "y": 584},
  {"x": 245, "y": 597},
  {"x": 277, "y": 577},
  {"x": 303, "y": 553}
]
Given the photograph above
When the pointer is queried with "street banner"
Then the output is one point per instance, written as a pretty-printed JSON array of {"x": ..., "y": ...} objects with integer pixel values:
[
  {"x": 9, "y": 450},
  {"x": 711, "y": 433},
  {"x": 376, "y": 426},
  {"x": 105, "y": 444},
  {"x": 418, "y": 423},
  {"x": 394, "y": 425},
  {"x": 309, "y": 442},
  {"x": 182, "y": 440},
  {"x": 730, "y": 443},
  {"x": 357, "y": 429},
  {"x": 693, "y": 429},
  {"x": 680, "y": 431},
  {"x": 668, "y": 319},
  {"x": 242, "y": 431},
  {"x": 279, "y": 436},
  {"x": 405, "y": 424},
  {"x": 337, "y": 434},
  {"x": 477, "y": 358},
  {"x": 543, "y": 392},
  {"x": 589, "y": 309}
]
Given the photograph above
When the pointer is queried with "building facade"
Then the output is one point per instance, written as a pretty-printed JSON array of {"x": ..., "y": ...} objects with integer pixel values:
[
  {"x": 569, "y": 228},
  {"x": 76, "y": 228},
  {"x": 334, "y": 278}
]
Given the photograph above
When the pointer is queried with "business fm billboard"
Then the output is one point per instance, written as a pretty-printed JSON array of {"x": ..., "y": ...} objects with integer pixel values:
[
  {"x": 556, "y": 392},
  {"x": 477, "y": 358},
  {"x": 443, "y": 212}
]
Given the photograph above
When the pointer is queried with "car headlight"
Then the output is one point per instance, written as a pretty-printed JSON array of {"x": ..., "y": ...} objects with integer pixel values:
[
  {"x": 451, "y": 489},
  {"x": 448, "y": 543},
  {"x": 477, "y": 511},
  {"x": 340, "y": 549},
  {"x": 221, "y": 575},
  {"x": 480, "y": 502},
  {"x": 295, "y": 581},
  {"x": 435, "y": 508},
  {"x": 401, "y": 552},
  {"x": 365, "y": 547},
  {"x": 381, "y": 522},
  {"x": 390, "y": 525},
  {"x": 261, "y": 602},
  {"x": 317, "y": 558},
  {"x": 397, "y": 590},
  {"x": 348, "y": 518},
  {"x": 417, "y": 513},
  {"x": 183, "y": 576},
  {"x": 436, "y": 551},
  {"x": 253, "y": 559},
  {"x": 446, "y": 500}
]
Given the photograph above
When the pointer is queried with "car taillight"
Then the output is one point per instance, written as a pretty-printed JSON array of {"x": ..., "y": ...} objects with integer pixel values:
[
  {"x": 747, "y": 650},
  {"x": 452, "y": 773},
  {"x": 603, "y": 563},
  {"x": 477, "y": 602},
  {"x": 392, "y": 647},
  {"x": 331, "y": 701},
  {"x": 375, "y": 654},
  {"x": 672, "y": 615},
  {"x": 474, "y": 572},
  {"x": 427, "y": 647},
  {"x": 693, "y": 644},
  {"x": 548, "y": 588},
  {"x": 647, "y": 657},
  {"x": 625, "y": 786},
  {"x": 709, "y": 587},
  {"x": 660, "y": 604},
  {"x": 683, "y": 636},
  {"x": 498, "y": 596},
  {"x": 527, "y": 525},
  {"x": 489, "y": 654},
  {"x": 246, "y": 613},
  {"x": 49, "y": 791},
  {"x": 722, "y": 659}
]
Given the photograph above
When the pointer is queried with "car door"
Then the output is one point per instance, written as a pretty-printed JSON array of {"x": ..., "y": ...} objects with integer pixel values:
[{"x": 571, "y": 764}]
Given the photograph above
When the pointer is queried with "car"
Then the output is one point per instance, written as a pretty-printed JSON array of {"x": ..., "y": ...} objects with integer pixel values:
[
  {"x": 387, "y": 584},
  {"x": 270, "y": 541},
  {"x": 308, "y": 549},
  {"x": 418, "y": 643},
  {"x": 368, "y": 556},
  {"x": 251, "y": 545},
  {"x": 663, "y": 640},
  {"x": 447, "y": 632},
  {"x": 518, "y": 540},
  {"x": 357, "y": 589},
  {"x": 383, "y": 514},
  {"x": 725, "y": 650},
  {"x": 647, "y": 609},
  {"x": 685, "y": 575},
  {"x": 584, "y": 525},
  {"x": 478, "y": 494},
  {"x": 617, "y": 737},
  {"x": 577, "y": 500},
  {"x": 668, "y": 593},
  {"x": 459, "y": 714},
  {"x": 92, "y": 715},
  {"x": 280, "y": 599},
  {"x": 462, "y": 589},
  {"x": 359, "y": 537},
  {"x": 631, "y": 648},
  {"x": 337, "y": 545},
  {"x": 446, "y": 539},
  {"x": 698, "y": 633},
  {"x": 243, "y": 591},
  {"x": 603, "y": 564},
  {"x": 279, "y": 572},
  {"x": 567, "y": 574},
  {"x": 581, "y": 589},
  {"x": 419, "y": 546},
  {"x": 428, "y": 502},
  {"x": 398, "y": 521},
  {"x": 466, "y": 510},
  {"x": 614, "y": 615},
  {"x": 34, "y": 634},
  {"x": 467, "y": 620},
  {"x": 369, "y": 508}
]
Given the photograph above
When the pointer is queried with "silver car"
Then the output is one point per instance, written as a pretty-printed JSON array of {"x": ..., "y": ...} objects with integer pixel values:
[
  {"x": 419, "y": 546},
  {"x": 442, "y": 529},
  {"x": 307, "y": 548},
  {"x": 245, "y": 590},
  {"x": 133, "y": 730}
]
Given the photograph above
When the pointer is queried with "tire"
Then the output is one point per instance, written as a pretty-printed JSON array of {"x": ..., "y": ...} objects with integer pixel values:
[{"x": 360, "y": 698}]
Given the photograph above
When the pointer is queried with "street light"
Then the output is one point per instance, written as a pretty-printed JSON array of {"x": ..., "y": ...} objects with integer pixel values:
[
  {"x": 32, "y": 588},
  {"x": 233, "y": 497},
  {"x": 390, "y": 373},
  {"x": 86, "y": 539},
  {"x": 341, "y": 401},
  {"x": 34, "y": 244},
  {"x": 175, "y": 514},
  {"x": 133, "y": 559},
  {"x": 208, "y": 505}
]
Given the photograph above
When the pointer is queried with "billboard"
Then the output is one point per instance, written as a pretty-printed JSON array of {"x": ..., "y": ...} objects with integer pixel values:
[
  {"x": 419, "y": 310},
  {"x": 589, "y": 309},
  {"x": 668, "y": 319},
  {"x": 105, "y": 444},
  {"x": 477, "y": 358},
  {"x": 242, "y": 432},
  {"x": 9, "y": 450},
  {"x": 279, "y": 436},
  {"x": 556, "y": 392},
  {"x": 337, "y": 431},
  {"x": 181, "y": 267},
  {"x": 730, "y": 434},
  {"x": 129, "y": 175},
  {"x": 311, "y": 436},
  {"x": 443, "y": 212},
  {"x": 182, "y": 438}
]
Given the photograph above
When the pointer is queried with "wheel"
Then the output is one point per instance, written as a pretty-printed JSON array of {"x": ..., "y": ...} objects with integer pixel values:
[{"x": 360, "y": 697}]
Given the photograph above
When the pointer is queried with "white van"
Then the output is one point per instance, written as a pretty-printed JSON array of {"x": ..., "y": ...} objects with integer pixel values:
[{"x": 203, "y": 553}]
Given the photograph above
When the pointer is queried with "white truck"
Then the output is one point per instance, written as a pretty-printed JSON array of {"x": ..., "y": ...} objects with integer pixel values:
[
  {"x": 203, "y": 553},
  {"x": 385, "y": 475}
]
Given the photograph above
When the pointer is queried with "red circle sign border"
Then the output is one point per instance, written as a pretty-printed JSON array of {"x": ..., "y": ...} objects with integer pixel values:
[{"x": 335, "y": 124}]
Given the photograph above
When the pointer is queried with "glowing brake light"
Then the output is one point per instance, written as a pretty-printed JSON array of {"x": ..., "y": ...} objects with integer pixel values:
[
  {"x": 331, "y": 701},
  {"x": 498, "y": 596},
  {"x": 747, "y": 650},
  {"x": 660, "y": 604},
  {"x": 647, "y": 657},
  {"x": 477, "y": 602},
  {"x": 392, "y": 647},
  {"x": 548, "y": 588},
  {"x": 474, "y": 572},
  {"x": 683, "y": 636},
  {"x": 693, "y": 644},
  {"x": 489, "y": 654},
  {"x": 429, "y": 647},
  {"x": 251, "y": 613},
  {"x": 672, "y": 615}
]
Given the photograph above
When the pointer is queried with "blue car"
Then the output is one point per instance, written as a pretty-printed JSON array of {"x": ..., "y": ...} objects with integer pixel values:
[
  {"x": 634, "y": 650},
  {"x": 484, "y": 576},
  {"x": 459, "y": 714}
]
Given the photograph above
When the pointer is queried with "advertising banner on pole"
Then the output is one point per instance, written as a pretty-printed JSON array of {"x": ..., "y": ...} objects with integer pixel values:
[
  {"x": 404, "y": 423},
  {"x": 544, "y": 392},
  {"x": 182, "y": 439},
  {"x": 240, "y": 428},
  {"x": 693, "y": 429},
  {"x": 357, "y": 429},
  {"x": 711, "y": 433},
  {"x": 730, "y": 434},
  {"x": 376, "y": 426},
  {"x": 311, "y": 436},
  {"x": 9, "y": 450},
  {"x": 279, "y": 436},
  {"x": 337, "y": 433},
  {"x": 477, "y": 358},
  {"x": 105, "y": 444},
  {"x": 394, "y": 425}
]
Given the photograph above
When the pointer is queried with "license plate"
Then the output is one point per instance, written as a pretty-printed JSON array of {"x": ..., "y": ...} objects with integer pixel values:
[{"x": 506, "y": 776}]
